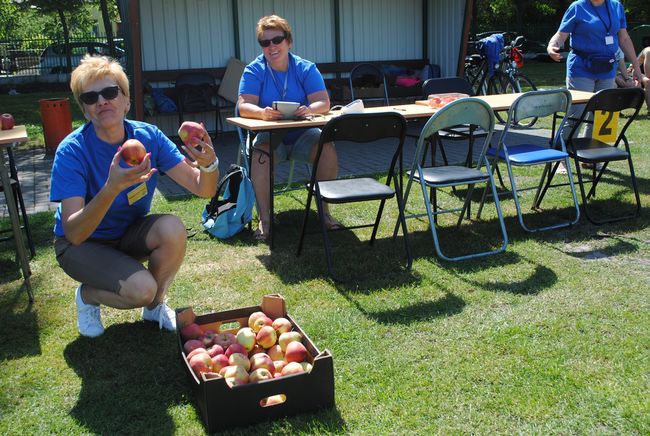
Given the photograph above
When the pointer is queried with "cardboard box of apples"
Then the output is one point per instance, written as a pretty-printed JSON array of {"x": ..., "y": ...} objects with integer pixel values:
[{"x": 252, "y": 364}]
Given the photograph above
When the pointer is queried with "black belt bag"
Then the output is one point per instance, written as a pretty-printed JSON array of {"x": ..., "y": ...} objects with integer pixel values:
[{"x": 596, "y": 63}]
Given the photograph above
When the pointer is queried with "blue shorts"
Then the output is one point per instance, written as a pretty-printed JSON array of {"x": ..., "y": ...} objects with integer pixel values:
[{"x": 299, "y": 150}]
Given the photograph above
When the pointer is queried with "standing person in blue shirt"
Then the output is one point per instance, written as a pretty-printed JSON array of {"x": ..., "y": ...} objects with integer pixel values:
[
  {"x": 278, "y": 75},
  {"x": 102, "y": 228},
  {"x": 597, "y": 28}
]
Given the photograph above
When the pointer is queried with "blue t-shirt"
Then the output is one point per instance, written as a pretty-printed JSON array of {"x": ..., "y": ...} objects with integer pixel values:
[
  {"x": 302, "y": 79},
  {"x": 588, "y": 26},
  {"x": 81, "y": 167}
]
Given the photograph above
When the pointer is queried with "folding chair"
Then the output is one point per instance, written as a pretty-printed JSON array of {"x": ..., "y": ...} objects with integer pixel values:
[
  {"x": 228, "y": 88},
  {"x": 535, "y": 104},
  {"x": 371, "y": 78},
  {"x": 470, "y": 111},
  {"x": 594, "y": 151},
  {"x": 357, "y": 129},
  {"x": 196, "y": 92}
]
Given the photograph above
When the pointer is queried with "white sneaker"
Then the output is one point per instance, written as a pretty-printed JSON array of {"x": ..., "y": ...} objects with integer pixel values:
[
  {"x": 162, "y": 314},
  {"x": 89, "y": 318}
]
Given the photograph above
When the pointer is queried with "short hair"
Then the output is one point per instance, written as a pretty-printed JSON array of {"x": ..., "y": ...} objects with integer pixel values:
[
  {"x": 93, "y": 68},
  {"x": 274, "y": 22}
]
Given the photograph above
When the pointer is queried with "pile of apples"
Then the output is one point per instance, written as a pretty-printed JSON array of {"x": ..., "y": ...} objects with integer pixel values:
[
  {"x": 265, "y": 350},
  {"x": 436, "y": 101}
]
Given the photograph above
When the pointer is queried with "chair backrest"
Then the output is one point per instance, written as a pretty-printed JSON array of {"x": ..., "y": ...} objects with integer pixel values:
[
  {"x": 364, "y": 128},
  {"x": 370, "y": 77},
  {"x": 229, "y": 86},
  {"x": 446, "y": 84},
  {"x": 613, "y": 100},
  {"x": 194, "y": 92},
  {"x": 470, "y": 110}
]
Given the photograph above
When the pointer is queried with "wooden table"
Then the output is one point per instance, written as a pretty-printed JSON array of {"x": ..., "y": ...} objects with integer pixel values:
[
  {"x": 420, "y": 109},
  {"x": 9, "y": 138}
]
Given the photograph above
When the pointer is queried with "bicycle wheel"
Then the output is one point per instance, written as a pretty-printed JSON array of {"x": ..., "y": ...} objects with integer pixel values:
[
  {"x": 473, "y": 75},
  {"x": 501, "y": 83},
  {"x": 524, "y": 84}
]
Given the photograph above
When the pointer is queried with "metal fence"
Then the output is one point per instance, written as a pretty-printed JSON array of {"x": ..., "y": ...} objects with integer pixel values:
[{"x": 39, "y": 56}]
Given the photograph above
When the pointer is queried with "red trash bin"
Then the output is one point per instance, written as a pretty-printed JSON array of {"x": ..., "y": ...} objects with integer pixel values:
[{"x": 57, "y": 121}]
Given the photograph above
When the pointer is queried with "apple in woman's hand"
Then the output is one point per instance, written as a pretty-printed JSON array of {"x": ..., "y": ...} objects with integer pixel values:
[
  {"x": 133, "y": 152},
  {"x": 7, "y": 121},
  {"x": 191, "y": 133}
]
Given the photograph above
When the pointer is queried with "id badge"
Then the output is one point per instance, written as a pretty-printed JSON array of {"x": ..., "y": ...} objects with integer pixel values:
[
  {"x": 609, "y": 40},
  {"x": 137, "y": 193}
]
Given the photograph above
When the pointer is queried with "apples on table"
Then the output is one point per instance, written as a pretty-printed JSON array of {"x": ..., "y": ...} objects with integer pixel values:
[{"x": 7, "y": 121}]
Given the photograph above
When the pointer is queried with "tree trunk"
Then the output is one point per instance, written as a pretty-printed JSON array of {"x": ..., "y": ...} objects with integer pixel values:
[
  {"x": 108, "y": 28},
  {"x": 66, "y": 40}
]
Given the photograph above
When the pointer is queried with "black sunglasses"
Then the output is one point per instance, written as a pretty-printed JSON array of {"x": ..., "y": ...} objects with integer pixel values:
[
  {"x": 91, "y": 97},
  {"x": 276, "y": 41}
]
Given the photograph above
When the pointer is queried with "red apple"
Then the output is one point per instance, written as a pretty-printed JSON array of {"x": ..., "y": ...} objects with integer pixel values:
[
  {"x": 241, "y": 360},
  {"x": 208, "y": 337},
  {"x": 259, "y": 375},
  {"x": 225, "y": 339},
  {"x": 279, "y": 365},
  {"x": 281, "y": 325},
  {"x": 292, "y": 368},
  {"x": 191, "y": 133},
  {"x": 261, "y": 322},
  {"x": 275, "y": 352},
  {"x": 253, "y": 317},
  {"x": 219, "y": 362},
  {"x": 262, "y": 360},
  {"x": 133, "y": 152},
  {"x": 295, "y": 352},
  {"x": 287, "y": 337},
  {"x": 306, "y": 366},
  {"x": 267, "y": 336},
  {"x": 246, "y": 337},
  {"x": 215, "y": 350},
  {"x": 195, "y": 352},
  {"x": 191, "y": 331},
  {"x": 192, "y": 344},
  {"x": 236, "y": 348},
  {"x": 235, "y": 375},
  {"x": 201, "y": 363},
  {"x": 7, "y": 121},
  {"x": 256, "y": 349}
]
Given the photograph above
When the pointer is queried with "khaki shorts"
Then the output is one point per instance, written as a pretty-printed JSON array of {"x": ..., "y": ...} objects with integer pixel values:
[{"x": 104, "y": 264}]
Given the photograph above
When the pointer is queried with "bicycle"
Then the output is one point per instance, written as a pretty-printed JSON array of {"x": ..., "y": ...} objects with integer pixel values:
[{"x": 506, "y": 79}]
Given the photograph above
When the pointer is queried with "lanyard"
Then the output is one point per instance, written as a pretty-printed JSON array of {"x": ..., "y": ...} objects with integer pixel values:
[
  {"x": 609, "y": 17},
  {"x": 281, "y": 91}
]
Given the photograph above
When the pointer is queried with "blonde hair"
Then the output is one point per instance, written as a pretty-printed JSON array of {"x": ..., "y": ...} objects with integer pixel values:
[
  {"x": 274, "y": 22},
  {"x": 93, "y": 68}
]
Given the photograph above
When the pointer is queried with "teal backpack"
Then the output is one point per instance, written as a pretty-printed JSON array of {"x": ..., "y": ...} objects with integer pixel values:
[{"x": 232, "y": 206}]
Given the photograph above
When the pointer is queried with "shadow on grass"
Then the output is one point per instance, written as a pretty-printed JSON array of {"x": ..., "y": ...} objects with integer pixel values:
[
  {"x": 130, "y": 377},
  {"x": 19, "y": 331},
  {"x": 446, "y": 306},
  {"x": 378, "y": 266}
]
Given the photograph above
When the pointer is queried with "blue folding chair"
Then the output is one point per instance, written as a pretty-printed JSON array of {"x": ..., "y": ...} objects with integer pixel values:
[
  {"x": 535, "y": 104},
  {"x": 465, "y": 111}
]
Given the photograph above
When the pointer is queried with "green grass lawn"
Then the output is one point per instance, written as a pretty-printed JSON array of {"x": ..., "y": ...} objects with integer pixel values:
[{"x": 550, "y": 337}]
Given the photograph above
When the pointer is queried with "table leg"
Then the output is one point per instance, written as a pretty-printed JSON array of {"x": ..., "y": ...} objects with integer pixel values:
[{"x": 15, "y": 225}]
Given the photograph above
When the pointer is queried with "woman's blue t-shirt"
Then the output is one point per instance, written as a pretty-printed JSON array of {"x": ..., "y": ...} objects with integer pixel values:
[
  {"x": 81, "y": 167},
  {"x": 588, "y": 25}
]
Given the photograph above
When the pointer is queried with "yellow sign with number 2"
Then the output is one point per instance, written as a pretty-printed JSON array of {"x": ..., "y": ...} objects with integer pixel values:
[{"x": 605, "y": 126}]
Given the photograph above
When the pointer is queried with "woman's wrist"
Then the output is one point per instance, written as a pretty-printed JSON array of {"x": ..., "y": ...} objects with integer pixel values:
[{"x": 214, "y": 166}]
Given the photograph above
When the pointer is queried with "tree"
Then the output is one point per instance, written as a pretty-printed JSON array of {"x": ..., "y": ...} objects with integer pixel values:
[{"x": 60, "y": 7}]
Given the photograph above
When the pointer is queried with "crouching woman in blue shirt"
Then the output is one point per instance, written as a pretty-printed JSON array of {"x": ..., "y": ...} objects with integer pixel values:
[{"x": 102, "y": 228}]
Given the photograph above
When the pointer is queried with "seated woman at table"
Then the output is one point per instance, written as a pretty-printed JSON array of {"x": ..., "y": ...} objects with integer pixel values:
[
  {"x": 102, "y": 228},
  {"x": 278, "y": 75}
]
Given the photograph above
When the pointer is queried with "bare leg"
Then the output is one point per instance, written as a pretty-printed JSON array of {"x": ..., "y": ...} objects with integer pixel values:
[
  {"x": 167, "y": 238},
  {"x": 646, "y": 69},
  {"x": 261, "y": 180}
]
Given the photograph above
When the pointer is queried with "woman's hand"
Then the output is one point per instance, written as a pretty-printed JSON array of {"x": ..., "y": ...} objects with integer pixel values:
[
  {"x": 121, "y": 178},
  {"x": 302, "y": 112},
  {"x": 201, "y": 156},
  {"x": 270, "y": 114}
]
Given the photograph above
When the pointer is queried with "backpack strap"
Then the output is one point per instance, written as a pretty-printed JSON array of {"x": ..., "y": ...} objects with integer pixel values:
[{"x": 233, "y": 175}]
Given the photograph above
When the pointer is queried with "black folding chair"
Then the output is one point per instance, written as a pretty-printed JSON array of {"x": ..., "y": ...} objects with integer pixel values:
[
  {"x": 196, "y": 92},
  {"x": 368, "y": 83},
  {"x": 593, "y": 151},
  {"x": 357, "y": 129}
]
